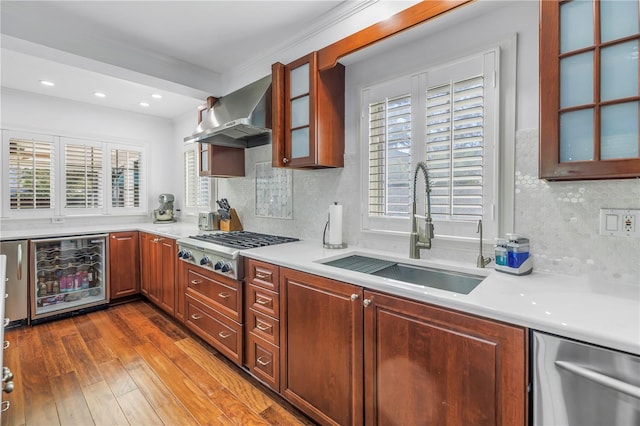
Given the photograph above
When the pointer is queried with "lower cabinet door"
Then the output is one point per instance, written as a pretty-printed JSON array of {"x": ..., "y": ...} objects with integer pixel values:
[
  {"x": 263, "y": 361},
  {"x": 221, "y": 332},
  {"x": 426, "y": 365},
  {"x": 321, "y": 347}
]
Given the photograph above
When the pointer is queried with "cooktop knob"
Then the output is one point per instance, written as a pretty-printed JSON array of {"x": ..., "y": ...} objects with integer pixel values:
[
  {"x": 187, "y": 255},
  {"x": 227, "y": 267},
  {"x": 180, "y": 253},
  {"x": 205, "y": 261},
  {"x": 219, "y": 264}
]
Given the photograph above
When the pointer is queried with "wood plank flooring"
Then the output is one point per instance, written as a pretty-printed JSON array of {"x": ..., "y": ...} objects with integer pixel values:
[{"x": 131, "y": 364}]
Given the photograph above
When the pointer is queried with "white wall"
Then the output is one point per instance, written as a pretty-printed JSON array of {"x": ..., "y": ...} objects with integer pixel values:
[
  {"x": 60, "y": 117},
  {"x": 564, "y": 234}
]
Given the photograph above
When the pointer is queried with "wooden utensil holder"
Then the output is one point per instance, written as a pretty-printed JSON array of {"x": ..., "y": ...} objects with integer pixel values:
[{"x": 232, "y": 224}]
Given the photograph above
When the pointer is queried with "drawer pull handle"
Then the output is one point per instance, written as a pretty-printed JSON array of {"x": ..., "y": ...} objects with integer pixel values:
[
  {"x": 261, "y": 276},
  {"x": 261, "y": 301},
  {"x": 5, "y": 345},
  {"x": 5, "y": 406},
  {"x": 263, "y": 327},
  {"x": 224, "y": 295},
  {"x": 224, "y": 335},
  {"x": 261, "y": 362},
  {"x": 196, "y": 316},
  {"x": 196, "y": 282},
  {"x": 6, "y": 322}
]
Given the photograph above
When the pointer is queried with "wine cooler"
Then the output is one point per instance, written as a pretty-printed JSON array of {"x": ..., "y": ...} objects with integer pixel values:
[{"x": 68, "y": 275}]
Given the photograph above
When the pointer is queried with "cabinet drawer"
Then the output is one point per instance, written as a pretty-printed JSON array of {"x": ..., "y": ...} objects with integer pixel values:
[
  {"x": 224, "y": 295},
  {"x": 264, "y": 301},
  {"x": 264, "y": 361},
  {"x": 218, "y": 330},
  {"x": 263, "y": 275},
  {"x": 264, "y": 326}
]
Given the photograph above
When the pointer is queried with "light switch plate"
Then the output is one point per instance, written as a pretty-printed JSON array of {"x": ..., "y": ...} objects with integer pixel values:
[{"x": 620, "y": 222}]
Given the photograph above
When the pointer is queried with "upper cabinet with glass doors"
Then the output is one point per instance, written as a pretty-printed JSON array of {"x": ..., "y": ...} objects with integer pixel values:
[
  {"x": 589, "y": 89},
  {"x": 309, "y": 105}
]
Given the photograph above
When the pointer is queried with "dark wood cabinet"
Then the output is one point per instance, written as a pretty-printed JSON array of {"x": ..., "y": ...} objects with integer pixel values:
[
  {"x": 588, "y": 125},
  {"x": 124, "y": 264},
  {"x": 221, "y": 161},
  {"x": 262, "y": 321},
  {"x": 426, "y": 365},
  {"x": 308, "y": 111},
  {"x": 158, "y": 270},
  {"x": 213, "y": 310},
  {"x": 321, "y": 347}
]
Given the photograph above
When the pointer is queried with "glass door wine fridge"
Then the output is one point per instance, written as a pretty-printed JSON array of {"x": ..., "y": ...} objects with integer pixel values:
[{"x": 68, "y": 275}]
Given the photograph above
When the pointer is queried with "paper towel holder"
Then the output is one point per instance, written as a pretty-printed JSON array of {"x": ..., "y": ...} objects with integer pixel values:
[{"x": 327, "y": 245}]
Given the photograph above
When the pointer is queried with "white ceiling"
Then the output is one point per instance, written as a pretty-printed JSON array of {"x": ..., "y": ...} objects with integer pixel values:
[
  {"x": 182, "y": 50},
  {"x": 131, "y": 49}
]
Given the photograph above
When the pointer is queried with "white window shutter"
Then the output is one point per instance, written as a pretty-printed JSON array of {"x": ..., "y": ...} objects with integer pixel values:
[
  {"x": 31, "y": 174},
  {"x": 83, "y": 176},
  {"x": 126, "y": 176}
]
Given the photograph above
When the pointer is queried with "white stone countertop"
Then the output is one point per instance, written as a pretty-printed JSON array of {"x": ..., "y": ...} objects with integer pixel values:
[
  {"x": 581, "y": 308},
  {"x": 600, "y": 313},
  {"x": 170, "y": 230}
]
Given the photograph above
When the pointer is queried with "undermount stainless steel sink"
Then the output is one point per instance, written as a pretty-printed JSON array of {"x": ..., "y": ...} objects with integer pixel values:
[{"x": 423, "y": 276}]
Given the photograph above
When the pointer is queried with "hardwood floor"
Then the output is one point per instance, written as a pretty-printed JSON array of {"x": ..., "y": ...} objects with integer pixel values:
[{"x": 131, "y": 364}]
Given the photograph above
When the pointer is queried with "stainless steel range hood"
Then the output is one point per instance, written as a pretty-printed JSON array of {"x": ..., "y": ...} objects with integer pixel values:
[{"x": 240, "y": 119}]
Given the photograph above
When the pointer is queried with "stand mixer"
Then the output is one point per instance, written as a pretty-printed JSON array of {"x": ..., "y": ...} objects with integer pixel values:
[{"x": 164, "y": 212}]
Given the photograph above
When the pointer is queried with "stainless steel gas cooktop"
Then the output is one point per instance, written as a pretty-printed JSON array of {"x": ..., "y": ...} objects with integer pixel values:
[{"x": 219, "y": 252}]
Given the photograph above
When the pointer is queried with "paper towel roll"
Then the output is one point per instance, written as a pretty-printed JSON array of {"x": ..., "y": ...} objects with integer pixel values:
[{"x": 335, "y": 224}]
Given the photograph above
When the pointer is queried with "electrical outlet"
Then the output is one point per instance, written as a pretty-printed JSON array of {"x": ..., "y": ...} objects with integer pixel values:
[
  {"x": 620, "y": 222},
  {"x": 628, "y": 223}
]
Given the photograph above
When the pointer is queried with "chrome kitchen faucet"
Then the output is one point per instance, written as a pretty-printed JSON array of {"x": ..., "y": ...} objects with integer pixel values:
[{"x": 419, "y": 241}]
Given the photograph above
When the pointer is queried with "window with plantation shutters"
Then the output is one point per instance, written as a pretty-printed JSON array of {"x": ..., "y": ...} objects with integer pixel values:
[
  {"x": 454, "y": 148},
  {"x": 83, "y": 168},
  {"x": 126, "y": 176},
  {"x": 196, "y": 188},
  {"x": 447, "y": 117},
  {"x": 31, "y": 174},
  {"x": 390, "y": 156}
]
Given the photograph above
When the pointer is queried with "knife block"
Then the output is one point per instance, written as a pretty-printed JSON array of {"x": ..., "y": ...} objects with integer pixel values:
[{"x": 232, "y": 224}]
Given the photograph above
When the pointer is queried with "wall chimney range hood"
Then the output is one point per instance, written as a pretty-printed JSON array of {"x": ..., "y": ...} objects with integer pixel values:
[{"x": 239, "y": 119}]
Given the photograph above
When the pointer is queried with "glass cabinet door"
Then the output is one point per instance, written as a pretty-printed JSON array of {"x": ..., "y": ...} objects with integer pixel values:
[
  {"x": 589, "y": 97},
  {"x": 300, "y": 98}
]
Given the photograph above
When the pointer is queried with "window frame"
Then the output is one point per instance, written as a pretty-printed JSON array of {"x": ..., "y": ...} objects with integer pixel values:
[
  {"x": 142, "y": 176},
  {"x": 59, "y": 168},
  {"x": 200, "y": 205},
  {"x": 448, "y": 230},
  {"x": 62, "y": 173},
  {"x": 5, "y": 191},
  {"x": 550, "y": 166}
]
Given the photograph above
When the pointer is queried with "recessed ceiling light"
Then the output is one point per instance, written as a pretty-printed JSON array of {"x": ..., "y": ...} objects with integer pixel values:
[
  {"x": 144, "y": 104},
  {"x": 99, "y": 94},
  {"x": 156, "y": 96},
  {"x": 47, "y": 83}
]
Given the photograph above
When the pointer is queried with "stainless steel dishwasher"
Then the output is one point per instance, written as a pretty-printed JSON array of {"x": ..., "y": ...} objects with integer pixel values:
[
  {"x": 17, "y": 302},
  {"x": 580, "y": 384}
]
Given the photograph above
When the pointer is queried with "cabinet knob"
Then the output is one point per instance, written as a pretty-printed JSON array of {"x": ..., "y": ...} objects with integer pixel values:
[
  {"x": 366, "y": 302},
  {"x": 8, "y": 387},
  {"x": 5, "y": 345},
  {"x": 354, "y": 297},
  {"x": 285, "y": 160}
]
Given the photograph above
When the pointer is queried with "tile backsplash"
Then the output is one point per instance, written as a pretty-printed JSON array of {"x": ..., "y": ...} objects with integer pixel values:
[{"x": 562, "y": 220}]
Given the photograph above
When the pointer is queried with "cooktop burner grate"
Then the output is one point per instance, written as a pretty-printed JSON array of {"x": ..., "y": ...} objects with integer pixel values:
[{"x": 243, "y": 239}]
